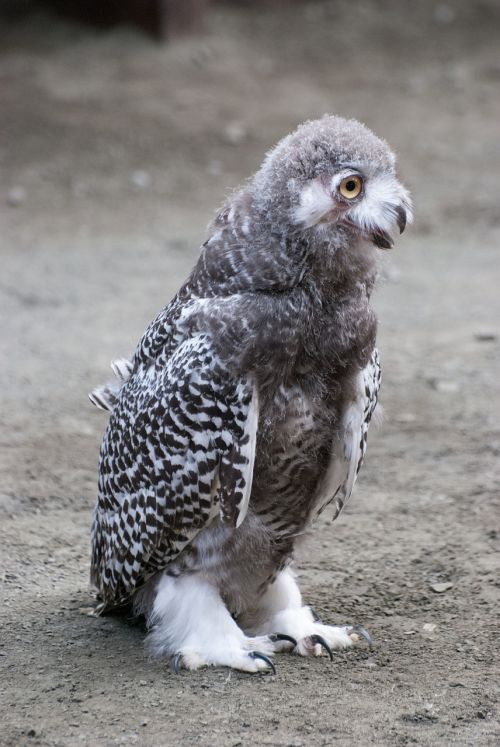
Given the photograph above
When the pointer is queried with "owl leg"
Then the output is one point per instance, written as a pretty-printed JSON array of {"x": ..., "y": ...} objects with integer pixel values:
[
  {"x": 190, "y": 624},
  {"x": 280, "y": 610}
]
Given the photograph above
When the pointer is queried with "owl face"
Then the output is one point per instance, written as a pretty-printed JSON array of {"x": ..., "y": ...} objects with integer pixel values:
[
  {"x": 368, "y": 202},
  {"x": 334, "y": 174}
]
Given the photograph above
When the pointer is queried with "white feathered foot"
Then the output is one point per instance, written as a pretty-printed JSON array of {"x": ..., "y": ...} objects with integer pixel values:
[
  {"x": 190, "y": 624},
  {"x": 281, "y": 609}
]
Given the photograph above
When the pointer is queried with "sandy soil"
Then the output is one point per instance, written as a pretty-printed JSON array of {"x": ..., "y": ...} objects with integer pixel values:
[{"x": 114, "y": 154}]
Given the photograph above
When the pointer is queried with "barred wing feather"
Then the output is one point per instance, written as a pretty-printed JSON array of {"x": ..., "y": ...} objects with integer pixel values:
[
  {"x": 178, "y": 452},
  {"x": 349, "y": 450}
]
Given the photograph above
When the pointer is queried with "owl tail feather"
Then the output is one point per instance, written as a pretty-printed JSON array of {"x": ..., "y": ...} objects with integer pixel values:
[
  {"x": 104, "y": 397},
  {"x": 122, "y": 368}
]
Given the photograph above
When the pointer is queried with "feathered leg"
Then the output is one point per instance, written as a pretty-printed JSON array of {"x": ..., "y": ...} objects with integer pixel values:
[
  {"x": 190, "y": 623},
  {"x": 281, "y": 610}
]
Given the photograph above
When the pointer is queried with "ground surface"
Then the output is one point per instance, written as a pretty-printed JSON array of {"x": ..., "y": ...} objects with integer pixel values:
[{"x": 114, "y": 154}]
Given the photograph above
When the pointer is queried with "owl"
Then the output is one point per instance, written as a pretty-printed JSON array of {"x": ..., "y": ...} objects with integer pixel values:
[{"x": 245, "y": 408}]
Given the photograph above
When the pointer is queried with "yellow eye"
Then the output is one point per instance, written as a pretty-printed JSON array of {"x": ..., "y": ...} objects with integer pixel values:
[{"x": 351, "y": 187}]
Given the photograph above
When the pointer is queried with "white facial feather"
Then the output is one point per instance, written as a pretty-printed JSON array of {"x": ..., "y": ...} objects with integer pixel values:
[
  {"x": 376, "y": 209},
  {"x": 315, "y": 203},
  {"x": 383, "y": 194}
]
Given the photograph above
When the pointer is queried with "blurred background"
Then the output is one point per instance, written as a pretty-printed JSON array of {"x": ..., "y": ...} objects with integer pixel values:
[{"x": 122, "y": 128}]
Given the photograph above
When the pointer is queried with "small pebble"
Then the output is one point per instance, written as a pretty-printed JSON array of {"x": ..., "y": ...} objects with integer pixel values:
[
  {"x": 429, "y": 627},
  {"x": 440, "y": 588},
  {"x": 428, "y": 631}
]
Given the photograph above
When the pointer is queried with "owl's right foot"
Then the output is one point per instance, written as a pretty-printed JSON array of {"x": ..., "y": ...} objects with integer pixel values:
[
  {"x": 235, "y": 657},
  {"x": 191, "y": 625}
]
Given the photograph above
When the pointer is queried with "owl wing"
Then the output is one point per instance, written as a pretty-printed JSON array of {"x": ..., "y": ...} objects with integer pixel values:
[
  {"x": 349, "y": 450},
  {"x": 178, "y": 451}
]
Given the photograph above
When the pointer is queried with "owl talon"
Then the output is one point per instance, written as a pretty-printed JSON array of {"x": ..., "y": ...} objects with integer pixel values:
[
  {"x": 358, "y": 630},
  {"x": 258, "y": 655},
  {"x": 316, "y": 617},
  {"x": 282, "y": 637},
  {"x": 177, "y": 663},
  {"x": 321, "y": 641}
]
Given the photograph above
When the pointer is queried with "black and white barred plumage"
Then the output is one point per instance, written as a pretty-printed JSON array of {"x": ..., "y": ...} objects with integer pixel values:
[{"x": 244, "y": 411}]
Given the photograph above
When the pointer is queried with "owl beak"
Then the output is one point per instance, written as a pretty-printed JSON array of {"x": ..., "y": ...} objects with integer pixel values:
[
  {"x": 401, "y": 218},
  {"x": 384, "y": 240}
]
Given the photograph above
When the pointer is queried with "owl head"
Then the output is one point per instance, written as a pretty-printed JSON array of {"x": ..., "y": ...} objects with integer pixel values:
[{"x": 333, "y": 176}]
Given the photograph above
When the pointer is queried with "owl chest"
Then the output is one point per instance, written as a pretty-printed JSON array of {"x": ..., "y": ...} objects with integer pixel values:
[{"x": 293, "y": 451}]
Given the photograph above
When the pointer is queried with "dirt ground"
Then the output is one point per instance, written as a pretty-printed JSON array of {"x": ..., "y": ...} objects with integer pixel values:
[{"x": 114, "y": 154}]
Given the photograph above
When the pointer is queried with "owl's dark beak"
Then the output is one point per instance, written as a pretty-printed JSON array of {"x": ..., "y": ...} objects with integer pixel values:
[
  {"x": 401, "y": 218},
  {"x": 384, "y": 240}
]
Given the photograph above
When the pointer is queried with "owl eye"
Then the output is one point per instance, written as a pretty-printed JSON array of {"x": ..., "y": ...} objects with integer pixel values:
[{"x": 351, "y": 187}]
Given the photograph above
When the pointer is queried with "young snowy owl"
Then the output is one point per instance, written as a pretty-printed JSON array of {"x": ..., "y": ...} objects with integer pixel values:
[{"x": 245, "y": 408}]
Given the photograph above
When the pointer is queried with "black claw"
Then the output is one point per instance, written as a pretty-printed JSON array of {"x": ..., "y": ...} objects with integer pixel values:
[
  {"x": 258, "y": 655},
  {"x": 319, "y": 639},
  {"x": 176, "y": 663},
  {"x": 316, "y": 617},
  {"x": 282, "y": 637},
  {"x": 362, "y": 632}
]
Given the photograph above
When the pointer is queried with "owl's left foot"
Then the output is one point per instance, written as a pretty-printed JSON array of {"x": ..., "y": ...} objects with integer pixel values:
[
  {"x": 326, "y": 638},
  {"x": 313, "y": 637},
  {"x": 300, "y": 629},
  {"x": 309, "y": 637}
]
